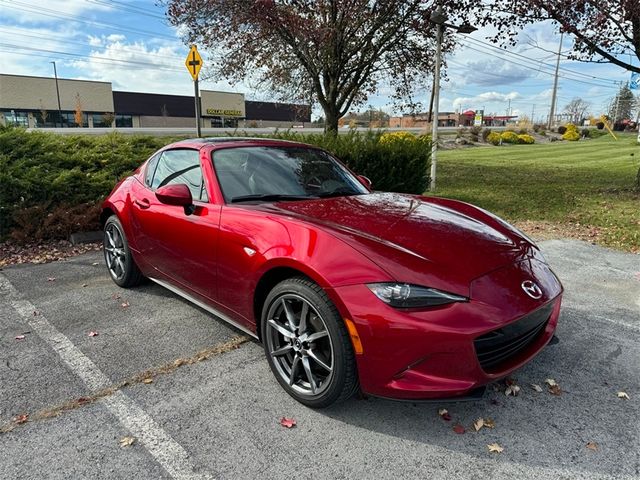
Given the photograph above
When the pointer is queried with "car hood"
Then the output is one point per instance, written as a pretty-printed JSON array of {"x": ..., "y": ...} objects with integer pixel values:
[{"x": 436, "y": 242}]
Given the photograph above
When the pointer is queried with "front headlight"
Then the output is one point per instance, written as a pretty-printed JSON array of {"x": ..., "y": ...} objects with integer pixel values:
[{"x": 404, "y": 295}]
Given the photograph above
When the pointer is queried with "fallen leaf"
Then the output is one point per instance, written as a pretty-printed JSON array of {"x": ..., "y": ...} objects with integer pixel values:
[
  {"x": 148, "y": 381},
  {"x": 551, "y": 382},
  {"x": 36, "y": 313},
  {"x": 444, "y": 414},
  {"x": 19, "y": 337},
  {"x": 127, "y": 441},
  {"x": 116, "y": 296},
  {"x": 93, "y": 334},
  {"x": 489, "y": 423},
  {"x": 84, "y": 285},
  {"x": 623, "y": 395},
  {"x": 83, "y": 400},
  {"x": 478, "y": 424},
  {"x": 458, "y": 428},
  {"x": 288, "y": 422},
  {"x": 51, "y": 279},
  {"x": 536, "y": 387},
  {"x": 592, "y": 446},
  {"x": 494, "y": 447},
  {"x": 22, "y": 418},
  {"x": 555, "y": 390},
  {"x": 95, "y": 263},
  {"x": 125, "y": 305},
  {"x": 512, "y": 390}
]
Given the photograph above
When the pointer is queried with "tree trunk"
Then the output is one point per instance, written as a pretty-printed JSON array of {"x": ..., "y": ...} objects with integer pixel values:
[{"x": 331, "y": 122}]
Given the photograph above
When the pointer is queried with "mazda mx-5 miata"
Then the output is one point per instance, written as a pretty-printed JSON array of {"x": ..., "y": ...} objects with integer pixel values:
[{"x": 400, "y": 296}]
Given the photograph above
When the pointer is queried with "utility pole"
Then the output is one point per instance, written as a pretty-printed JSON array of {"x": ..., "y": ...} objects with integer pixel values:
[
  {"x": 55, "y": 74},
  {"x": 436, "y": 105},
  {"x": 533, "y": 110},
  {"x": 555, "y": 85}
]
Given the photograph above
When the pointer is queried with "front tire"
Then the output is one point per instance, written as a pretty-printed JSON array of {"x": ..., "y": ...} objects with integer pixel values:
[
  {"x": 307, "y": 345},
  {"x": 117, "y": 255}
]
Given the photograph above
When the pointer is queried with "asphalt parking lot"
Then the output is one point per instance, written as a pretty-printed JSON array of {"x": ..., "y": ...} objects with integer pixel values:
[{"x": 201, "y": 402}]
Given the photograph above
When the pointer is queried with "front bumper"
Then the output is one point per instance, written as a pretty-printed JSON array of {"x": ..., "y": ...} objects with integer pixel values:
[{"x": 423, "y": 354}]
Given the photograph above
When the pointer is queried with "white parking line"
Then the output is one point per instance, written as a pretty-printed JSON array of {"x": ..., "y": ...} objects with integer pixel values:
[{"x": 167, "y": 452}]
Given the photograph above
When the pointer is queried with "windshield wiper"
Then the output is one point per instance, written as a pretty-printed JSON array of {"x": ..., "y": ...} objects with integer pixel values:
[{"x": 267, "y": 197}]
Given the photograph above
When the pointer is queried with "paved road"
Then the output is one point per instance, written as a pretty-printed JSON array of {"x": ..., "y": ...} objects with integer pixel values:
[
  {"x": 216, "y": 415},
  {"x": 159, "y": 131}
]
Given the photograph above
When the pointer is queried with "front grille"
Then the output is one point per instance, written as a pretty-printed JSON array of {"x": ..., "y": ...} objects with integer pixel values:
[{"x": 499, "y": 345}]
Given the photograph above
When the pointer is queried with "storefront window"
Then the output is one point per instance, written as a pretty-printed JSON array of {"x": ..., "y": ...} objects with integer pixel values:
[
  {"x": 16, "y": 118},
  {"x": 124, "y": 121},
  {"x": 103, "y": 120}
]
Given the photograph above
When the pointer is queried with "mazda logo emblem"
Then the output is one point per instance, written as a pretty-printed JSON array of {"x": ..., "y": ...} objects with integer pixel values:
[{"x": 531, "y": 289}]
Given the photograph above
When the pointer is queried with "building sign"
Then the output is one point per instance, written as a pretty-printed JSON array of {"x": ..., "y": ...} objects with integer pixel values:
[
  {"x": 477, "y": 120},
  {"x": 634, "y": 84},
  {"x": 224, "y": 112}
]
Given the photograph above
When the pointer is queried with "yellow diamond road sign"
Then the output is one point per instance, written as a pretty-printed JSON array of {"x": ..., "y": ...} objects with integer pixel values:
[{"x": 193, "y": 62}]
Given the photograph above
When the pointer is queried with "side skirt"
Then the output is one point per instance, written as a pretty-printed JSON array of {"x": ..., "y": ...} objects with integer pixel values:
[{"x": 204, "y": 306}]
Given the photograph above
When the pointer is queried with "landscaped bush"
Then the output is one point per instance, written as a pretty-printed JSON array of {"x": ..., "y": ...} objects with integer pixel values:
[
  {"x": 51, "y": 182},
  {"x": 523, "y": 131},
  {"x": 584, "y": 133},
  {"x": 571, "y": 135},
  {"x": 475, "y": 130},
  {"x": 562, "y": 129},
  {"x": 485, "y": 134},
  {"x": 600, "y": 125},
  {"x": 493, "y": 138},
  {"x": 526, "y": 139},
  {"x": 509, "y": 137}
]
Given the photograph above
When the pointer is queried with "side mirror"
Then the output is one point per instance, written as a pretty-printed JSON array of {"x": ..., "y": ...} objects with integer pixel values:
[
  {"x": 365, "y": 181},
  {"x": 178, "y": 195}
]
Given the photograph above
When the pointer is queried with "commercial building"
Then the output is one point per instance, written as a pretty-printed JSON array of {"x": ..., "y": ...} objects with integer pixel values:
[
  {"x": 449, "y": 119},
  {"x": 44, "y": 102}
]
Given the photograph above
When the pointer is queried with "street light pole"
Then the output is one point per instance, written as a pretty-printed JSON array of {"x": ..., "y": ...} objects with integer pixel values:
[
  {"x": 436, "y": 109},
  {"x": 55, "y": 74}
]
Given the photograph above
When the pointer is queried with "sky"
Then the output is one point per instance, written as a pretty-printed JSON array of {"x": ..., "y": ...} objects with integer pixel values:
[{"x": 130, "y": 44}]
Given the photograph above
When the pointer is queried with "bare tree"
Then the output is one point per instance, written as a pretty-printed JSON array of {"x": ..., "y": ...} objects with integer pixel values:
[
  {"x": 603, "y": 31},
  {"x": 577, "y": 109},
  {"x": 336, "y": 52},
  {"x": 78, "y": 115}
]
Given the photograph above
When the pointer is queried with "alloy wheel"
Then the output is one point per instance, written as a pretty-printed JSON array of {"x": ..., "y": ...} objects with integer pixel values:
[
  {"x": 300, "y": 345},
  {"x": 114, "y": 251}
]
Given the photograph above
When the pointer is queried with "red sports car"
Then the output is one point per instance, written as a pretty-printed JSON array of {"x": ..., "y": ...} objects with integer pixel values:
[{"x": 401, "y": 296}]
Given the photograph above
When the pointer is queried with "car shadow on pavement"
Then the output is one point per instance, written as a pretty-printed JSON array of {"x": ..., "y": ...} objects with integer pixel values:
[{"x": 591, "y": 363}]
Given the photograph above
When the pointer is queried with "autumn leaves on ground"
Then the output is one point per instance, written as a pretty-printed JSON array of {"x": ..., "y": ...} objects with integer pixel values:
[{"x": 585, "y": 190}]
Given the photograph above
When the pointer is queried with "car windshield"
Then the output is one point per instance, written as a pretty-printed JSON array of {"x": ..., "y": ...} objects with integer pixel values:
[{"x": 281, "y": 173}]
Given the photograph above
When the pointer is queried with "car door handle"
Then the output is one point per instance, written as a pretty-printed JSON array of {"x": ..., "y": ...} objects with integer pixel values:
[{"x": 144, "y": 203}]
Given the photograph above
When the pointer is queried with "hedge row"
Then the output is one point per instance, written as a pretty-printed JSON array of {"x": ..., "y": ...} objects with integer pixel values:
[{"x": 45, "y": 176}]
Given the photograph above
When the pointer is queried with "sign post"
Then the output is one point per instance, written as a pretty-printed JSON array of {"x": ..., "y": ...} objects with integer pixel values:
[
  {"x": 634, "y": 84},
  {"x": 194, "y": 64}
]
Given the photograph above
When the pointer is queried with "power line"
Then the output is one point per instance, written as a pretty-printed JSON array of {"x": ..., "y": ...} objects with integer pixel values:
[
  {"x": 507, "y": 52},
  {"x": 85, "y": 44},
  {"x": 537, "y": 69},
  {"x": 91, "y": 57},
  {"x": 127, "y": 8},
  {"x": 53, "y": 14}
]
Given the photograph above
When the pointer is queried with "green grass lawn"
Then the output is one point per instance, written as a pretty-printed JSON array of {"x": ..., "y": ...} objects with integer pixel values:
[{"x": 589, "y": 182}]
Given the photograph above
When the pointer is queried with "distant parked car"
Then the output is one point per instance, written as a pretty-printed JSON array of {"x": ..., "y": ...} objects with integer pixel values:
[{"x": 401, "y": 296}]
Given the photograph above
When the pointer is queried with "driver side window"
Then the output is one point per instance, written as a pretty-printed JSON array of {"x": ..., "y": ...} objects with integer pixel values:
[{"x": 180, "y": 166}]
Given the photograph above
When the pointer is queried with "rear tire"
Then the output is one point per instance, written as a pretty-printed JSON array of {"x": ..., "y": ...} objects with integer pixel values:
[
  {"x": 117, "y": 255},
  {"x": 307, "y": 344}
]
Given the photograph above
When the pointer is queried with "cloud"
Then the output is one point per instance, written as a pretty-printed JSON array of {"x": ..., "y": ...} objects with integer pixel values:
[
  {"x": 496, "y": 72},
  {"x": 486, "y": 97},
  {"x": 51, "y": 12},
  {"x": 141, "y": 67}
]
